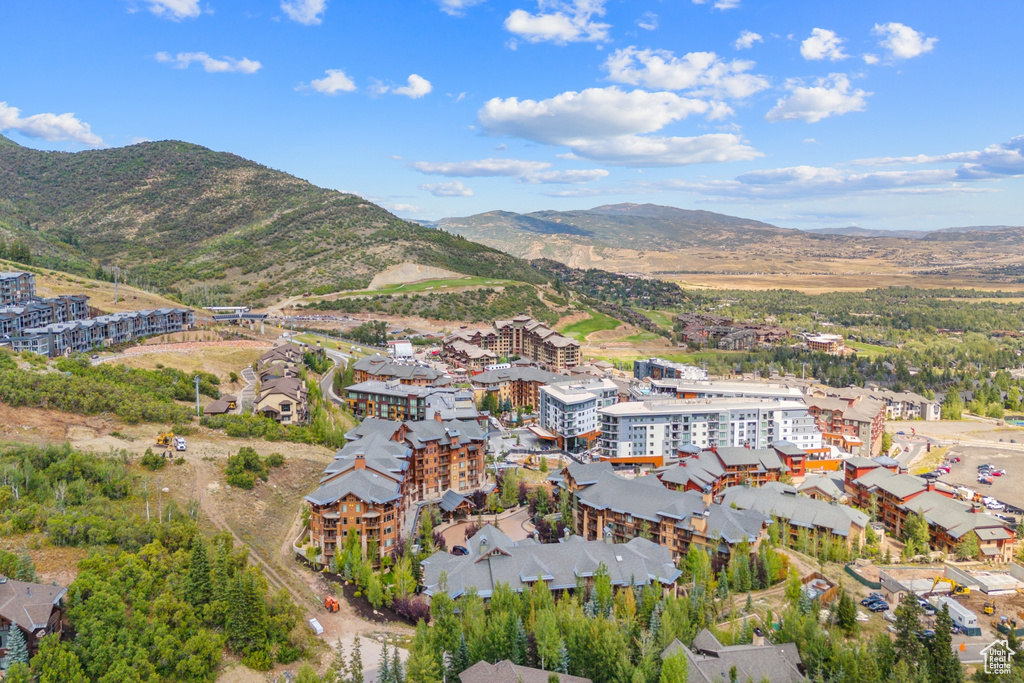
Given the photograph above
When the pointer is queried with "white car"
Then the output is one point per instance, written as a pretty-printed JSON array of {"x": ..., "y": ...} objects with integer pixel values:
[{"x": 179, "y": 443}]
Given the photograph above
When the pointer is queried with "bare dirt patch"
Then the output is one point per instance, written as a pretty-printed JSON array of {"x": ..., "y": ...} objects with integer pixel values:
[
  {"x": 408, "y": 273},
  {"x": 218, "y": 360}
]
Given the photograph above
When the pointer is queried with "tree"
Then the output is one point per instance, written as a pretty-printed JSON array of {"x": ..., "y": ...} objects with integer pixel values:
[
  {"x": 846, "y": 613},
  {"x": 915, "y": 536},
  {"x": 946, "y": 666},
  {"x": 55, "y": 662},
  {"x": 674, "y": 668},
  {"x": 355, "y": 665},
  {"x": 17, "y": 648},
  {"x": 422, "y": 666},
  {"x": 952, "y": 405},
  {"x": 794, "y": 587},
  {"x": 18, "y": 672},
  {"x": 886, "y": 442},
  {"x": 549, "y": 642},
  {"x": 908, "y": 625},
  {"x": 968, "y": 547},
  {"x": 198, "y": 588}
]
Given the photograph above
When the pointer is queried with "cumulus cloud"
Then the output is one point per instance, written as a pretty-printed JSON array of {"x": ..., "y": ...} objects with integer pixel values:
[
  {"x": 571, "y": 177},
  {"x": 560, "y": 22},
  {"x": 969, "y": 170},
  {"x": 870, "y": 59},
  {"x": 334, "y": 82},
  {"x": 703, "y": 73},
  {"x": 49, "y": 127},
  {"x": 480, "y": 168},
  {"x": 452, "y": 189},
  {"x": 417, "y": 87},
  {"x": 613, "y": 126},
  {"x": 210, "y": 64},
  {"x": 308, "y": 12},
  {"x": 901, "y": 41},
  {"x": 823, "y": 44},
  {"x": 648, "y": 21},
  {"x": 457, "y": 8},
  {"x": 175, "y": 9},
  {"x": 747, "y": 40},
  {"x": 829, "y": 96},
  {"x": 720, "y": 4}
]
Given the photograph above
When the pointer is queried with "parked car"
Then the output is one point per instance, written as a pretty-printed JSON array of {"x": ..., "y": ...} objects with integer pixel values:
[
  {"x": 900, "y": 433},
  {"x": 985, "y": 480},
  {"x": 931, "y": 475},
  {"x": 179, "y": 443},
  {"x": 925, "y": 634},
  {"x": 998, "y": 473},
  {"x": 878, "y": 607},
  {"x": 956, "y": 459}
]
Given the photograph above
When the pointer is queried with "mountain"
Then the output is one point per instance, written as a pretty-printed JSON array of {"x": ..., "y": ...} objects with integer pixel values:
[
  {"x": 185, "y": 220},
  {"x": 856, "y": 231},
  {"x": 622, "y": 226}
]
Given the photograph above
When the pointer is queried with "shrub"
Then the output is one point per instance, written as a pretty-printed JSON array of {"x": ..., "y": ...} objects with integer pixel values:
[
  {"x": 274, "y": 460},
  {"x": 152, "y": 461},
  {"x": 243, "y": 468}
]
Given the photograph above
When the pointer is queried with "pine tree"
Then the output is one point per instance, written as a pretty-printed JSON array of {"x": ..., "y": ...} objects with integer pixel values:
[
  {"x": 846, "y": 613},
  {"x": 198, "y": 586},
  {"x": 25, "y": 570},
  {"x": 396, "y": 665},
  {"x": 519, "y": 643},
  {"x": 563, "y": 659},
  {"x": 384, "y": 674},
  {"x": 17, "y": 648},
  {"x": 460, "y": 660},
  {"x": 336, "y": 671},
  {"x": 946, "y": 667},
  {"x": 355, "y": 666}
]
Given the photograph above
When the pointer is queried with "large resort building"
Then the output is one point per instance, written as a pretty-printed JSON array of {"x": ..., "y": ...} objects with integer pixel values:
[{"x": 522, "y": 336}]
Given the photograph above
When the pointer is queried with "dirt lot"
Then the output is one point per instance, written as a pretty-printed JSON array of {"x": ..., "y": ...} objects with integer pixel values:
[
  {"x": 221, "y": 360},
  {"x": 1007, "y": 488},
  {"x": 964, "y": 431}
]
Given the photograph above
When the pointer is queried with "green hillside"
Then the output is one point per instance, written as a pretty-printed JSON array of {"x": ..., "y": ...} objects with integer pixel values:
[{"x": 212, "y": 227}]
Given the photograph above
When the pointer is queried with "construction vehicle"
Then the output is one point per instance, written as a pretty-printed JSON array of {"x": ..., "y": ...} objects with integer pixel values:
[
  {"x": 990, "y": 607},
  {"x": 955, "y": 589},
  {"x": 164, "y": 439},
  {"x": 331, "y": 603}
]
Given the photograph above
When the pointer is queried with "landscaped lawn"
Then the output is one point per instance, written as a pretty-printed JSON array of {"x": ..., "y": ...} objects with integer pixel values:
[
  {"x": 869, "y": 350},
  {"x": 662, "y": 320},
  {"x": 595, "y": 323}
]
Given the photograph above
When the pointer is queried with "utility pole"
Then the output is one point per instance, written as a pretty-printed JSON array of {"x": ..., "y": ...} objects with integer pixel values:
[
  {"x": 196, "y": 380},
  {"x": 117, "y": 275}
]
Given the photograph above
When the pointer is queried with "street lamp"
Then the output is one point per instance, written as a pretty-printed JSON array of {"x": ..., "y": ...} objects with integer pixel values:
[{"x": 196, "y": 380}]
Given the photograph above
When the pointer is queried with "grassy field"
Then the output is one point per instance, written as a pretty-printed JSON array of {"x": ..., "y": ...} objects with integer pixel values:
[
  {"x": 428, "y": 286},
  {"x": 595, "y": 323},
  {"x": 331, "y": 343},
  {"x": 642, "y": 337},
  {"x": 219, "y": 361},
  {"x": 869, "y": 350},
  {"x": 660, "y": 318}
]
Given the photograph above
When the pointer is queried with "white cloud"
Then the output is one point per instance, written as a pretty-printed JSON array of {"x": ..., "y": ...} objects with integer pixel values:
[
  {"x": 827, "y": 97},
  {"x": 747, "y": 40},
  {"x": 481, "y": 168},
  {"x": 704, "y": 73},
  {"x": 1003, "y": 159},
  {"x": 609, "y": 124},
  {"x": 48, "y": 126},
  {"x": 823, "y": 44},
  {"x": 648, "y": 21},
  {"x": 308, "y": 12},
  {"x": 210, "y": 64},
  {"x": 560, "y": 22},
  {"x": 402, "y": 208},
  {"x": 570, "y": 177},
  {"x": 870, "y": 59},
  {"x": 457, "y": 8},
  {"x": 720, "y": 4},
  {"x": 417, "y": 88},
  {"x": 334, "y": 82},
  {"x": 901, "y": 41},
  {"x": 175, "y": 9},
  {"x": 452, "y": 189}
]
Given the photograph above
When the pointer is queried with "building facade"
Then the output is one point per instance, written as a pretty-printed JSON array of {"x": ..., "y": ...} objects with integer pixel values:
[
  {"x": 381, "y": 368},
  {"x": 855, "y": 425},
  {"x": 522, "y": 336},
  {"x": 520, "y": 386},
  {"x": 568, "y": 409},
  {"x": 659, "y": 368},
  {"x": 16, "y": 287}
]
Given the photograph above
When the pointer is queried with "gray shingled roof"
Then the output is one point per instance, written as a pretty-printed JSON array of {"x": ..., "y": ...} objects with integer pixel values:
[
  {"x": 380, "y": 454},
  {"x": 823, "y": 483},
  {"x": 501, "y": 560},
  {"x": 779, "y": 500},
  {"x": 425, "y": 431},
  {"x": 711, "y": 662},
  {"x": 364, "y": 484},
  {"x": 382, "y": 366},
  {"x": 507, "y": 672},
  {"x": 452, "y": 500},
  {"x": 29, "y": 604},
  {"x": 952, "y": 515},
  {"x": 528, "y": 374},
  {"x": 647, "y": 498}
]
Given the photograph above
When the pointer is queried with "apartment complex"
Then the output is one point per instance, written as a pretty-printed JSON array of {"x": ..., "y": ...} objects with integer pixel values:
[
  {"x": 16, "y": 287},
  {"x": 522, "y": 336},
  {"x": 520, "y": 386},
  {"x": 701, "y": 329},
  {"x": 783, "y": 502},
  {"x": 716, "y": 468},
  {"x": 894, "y": 496},
  {"x": 681, "y": 388},
  {"x": 60, "y": 326},
  {"x": 382, "y": 368},
  {"x": 392, "y": 400},
  {"x": 386, "y": 467},
  {"x": 855, "y": 425},
  {"x": 568, "y": 409},
  {"x": 899, "y": 405},
  {"x": 659, "y": 368},
  {"x": 626, "y": 508},
  {"x": 657, "y": 427},
  {"x": 832, "y": 344}
]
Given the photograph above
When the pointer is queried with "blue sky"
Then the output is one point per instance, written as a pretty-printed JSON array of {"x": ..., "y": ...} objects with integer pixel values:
[{"x": 800, "y": 113}]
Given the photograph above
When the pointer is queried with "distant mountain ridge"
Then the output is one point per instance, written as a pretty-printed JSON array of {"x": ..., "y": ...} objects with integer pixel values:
[
  {"x": 184, "y": 219},
  {"x": 856, "y": 231}
]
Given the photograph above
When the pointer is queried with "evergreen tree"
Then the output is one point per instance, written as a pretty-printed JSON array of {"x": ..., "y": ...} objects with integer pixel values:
[
  {"x": 423, "y": 665},
  {"x": 384, "y": 673},
  {"x": 355, "y": 666},
  {"x": 674, "y": 668},
  {"x": 55, "y": 662},
  {"x": 946, "y": 666},
  {"x": 396, "y": 665},
  {"x": 18, "y": 672},
  {"x": 247, "y": 618},
  {"x": 846, "y": 613},
  {"x": 17, "y": 648},
  {"x": 519, "y": 643},
  {"x": 563, "y": 659},
  {"x": 25, "y": 570},
  {"x": 198, "y": 586},
  {"x": 460, "y": 660},
  {"x": 908, "y": 625}
]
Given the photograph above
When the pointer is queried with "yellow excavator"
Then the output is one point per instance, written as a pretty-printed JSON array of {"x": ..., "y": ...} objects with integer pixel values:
[
  {"x": 989, "y": 607},
  {"x": 165, "y": 439},
  {"x": 956, "y": 590}
]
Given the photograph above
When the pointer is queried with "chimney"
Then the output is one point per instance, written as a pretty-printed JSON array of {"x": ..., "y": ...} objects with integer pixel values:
[
  {"x": 609, "y": 538},
  {"x": 437, "y": 416},
  {"x": 706, "y": 495},
  {"x": 699, "y": 523},
  {"x": 360, "y": 462},
  {"x": 758, "y": 638},
  {"x": 930, "y": 486}
]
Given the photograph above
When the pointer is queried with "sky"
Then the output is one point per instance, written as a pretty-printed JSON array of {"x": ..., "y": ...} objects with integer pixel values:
[{"x": 802, "y": 113}]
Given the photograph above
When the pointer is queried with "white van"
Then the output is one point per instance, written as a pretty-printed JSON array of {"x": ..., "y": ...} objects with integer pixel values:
[{"x": 179, "y": 443}]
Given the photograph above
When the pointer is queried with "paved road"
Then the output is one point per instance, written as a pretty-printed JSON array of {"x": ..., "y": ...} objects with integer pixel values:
[
  {"x": 327, "y": 383},
  {"x": 246, "y": 397}
]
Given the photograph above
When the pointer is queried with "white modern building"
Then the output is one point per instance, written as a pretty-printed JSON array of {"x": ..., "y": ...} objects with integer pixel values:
[
  {"x": 681, "y": 388},
  {"x": 400, "y": 348},
  {"x": 657, "y": 427},
  {"x": 568, "y": 409}
]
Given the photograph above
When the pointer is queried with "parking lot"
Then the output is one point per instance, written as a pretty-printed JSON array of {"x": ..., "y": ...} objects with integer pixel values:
[{"x": 1006, "y": 489}]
